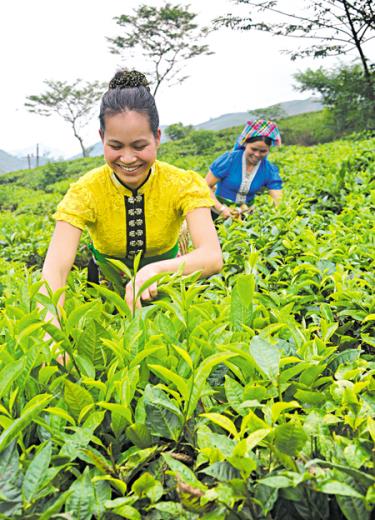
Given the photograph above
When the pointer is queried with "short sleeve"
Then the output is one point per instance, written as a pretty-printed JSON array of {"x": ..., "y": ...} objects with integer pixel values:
[
  {"x": 274, "y": 181},
  {"x": 222, "y": 165},
  {"x": 193, "y": 194},
  {"x": 76, "y": 208}
]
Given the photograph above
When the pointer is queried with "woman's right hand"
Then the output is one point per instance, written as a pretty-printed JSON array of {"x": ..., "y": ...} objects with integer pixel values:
[
  {"x": 143, "y": 275},
  {"x": 225, "y": 212}
]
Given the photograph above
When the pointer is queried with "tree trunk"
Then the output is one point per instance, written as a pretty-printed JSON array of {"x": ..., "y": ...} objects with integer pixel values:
[
  {"x": 84, "y": 151},
  {"x": 366, "y": 70}
]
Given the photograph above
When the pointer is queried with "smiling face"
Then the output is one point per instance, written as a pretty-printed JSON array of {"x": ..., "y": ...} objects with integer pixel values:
[
  {"x": 130, "y": 147},
  {"x": 255, "y": 152}
]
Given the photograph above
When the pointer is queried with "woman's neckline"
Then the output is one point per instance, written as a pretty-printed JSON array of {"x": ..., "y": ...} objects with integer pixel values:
[
  {"x": 133, "y": 190},
  {"x": 253, "y": 170}
]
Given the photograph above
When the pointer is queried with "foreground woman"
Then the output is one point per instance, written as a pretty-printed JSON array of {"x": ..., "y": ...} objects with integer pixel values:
[
  {"x": 235, "y": 177},
  {"x": 134, "y": 203}
]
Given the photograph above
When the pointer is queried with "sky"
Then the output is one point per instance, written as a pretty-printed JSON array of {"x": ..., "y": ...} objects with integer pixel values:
[{"x": 44, "y": 39}]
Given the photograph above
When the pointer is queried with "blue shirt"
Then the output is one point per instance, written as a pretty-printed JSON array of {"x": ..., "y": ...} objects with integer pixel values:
[{"x": 229, "y": 169}]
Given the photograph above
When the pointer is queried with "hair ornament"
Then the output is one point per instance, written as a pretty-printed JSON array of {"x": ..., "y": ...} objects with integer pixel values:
[{"x": 129, "y": 79}]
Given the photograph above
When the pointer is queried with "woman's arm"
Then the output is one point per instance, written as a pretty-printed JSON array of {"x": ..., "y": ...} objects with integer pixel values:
[
  {"x": 60, "y": 255},
  {"x": 206, "y": 256},
  {"x": 276, "y": 196},
  {"x": 57, "y": 265},
  {"x": 222, "y": 209}
]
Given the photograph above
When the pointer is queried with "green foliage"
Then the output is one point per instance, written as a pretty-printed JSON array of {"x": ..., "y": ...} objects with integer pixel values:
[
  {"x": 333, "y": 27},
  {"x": 199, "y": 148},
  {"x": 167, "y": 37},
  {"x": 178, "y": 131},
  {"x": 308, "y": 129},
  {"x": 74, "y": 103},
  {"x": 246, "y": 395},
  {"x": 346, "y": 93},
  {"x": 273, "y": 113}
]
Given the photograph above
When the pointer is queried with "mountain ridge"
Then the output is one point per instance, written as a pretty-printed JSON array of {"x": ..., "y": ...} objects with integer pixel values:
[
  {"x": 290, "y": 108},
  {"x": 9, "y": 162}
]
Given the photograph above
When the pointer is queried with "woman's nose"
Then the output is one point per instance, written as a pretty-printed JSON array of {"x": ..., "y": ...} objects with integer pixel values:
[{"x": 127, "y": 156}]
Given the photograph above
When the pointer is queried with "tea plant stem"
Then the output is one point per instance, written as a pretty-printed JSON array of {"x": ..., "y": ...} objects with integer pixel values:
[
  {"x": 310, "y": 504},
  {"x": 186, "y": 312},
  {"x": 270, "y": 460},
  {"x": 280, "y": 395},
  {"x": 134, "y": 303},
  {"x": 187, "y": 405},
  {"x": 233, "y": 512}
]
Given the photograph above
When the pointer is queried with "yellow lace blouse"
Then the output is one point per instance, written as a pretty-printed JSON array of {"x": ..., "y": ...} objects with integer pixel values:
[{"x": 121, "y": 221}]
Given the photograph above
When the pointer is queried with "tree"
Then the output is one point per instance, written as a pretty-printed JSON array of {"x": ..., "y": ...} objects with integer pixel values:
[
  {"x": 178, "y": 131},
  {"x": 202, "y": 140},
  {"x": 167, "y": 37},
  {"x": 73, "y": 102},
  {"x": 333, "y": 27},
  {"x": 344, "y": 93},
  {"x": 273, "y": 113}
]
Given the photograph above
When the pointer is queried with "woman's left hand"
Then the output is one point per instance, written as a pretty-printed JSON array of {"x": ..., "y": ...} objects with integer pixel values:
[{"x": 142, "y": 276}]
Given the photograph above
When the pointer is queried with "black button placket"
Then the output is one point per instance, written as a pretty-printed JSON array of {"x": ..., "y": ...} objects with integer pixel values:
[{"x": 135, "y": 224}]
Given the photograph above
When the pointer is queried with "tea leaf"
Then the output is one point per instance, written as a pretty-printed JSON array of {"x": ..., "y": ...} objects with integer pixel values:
[
  {"x": 35, "y": 473},
  {"x": 266, "y": 356},
  {"x": 163, "y": 418},
  {"x": 223, "y": 422},
  {"x": 33, "y": 409},
  {"x": 139, "y": 435},
  {"x": 277, "y": 482},
  {"x": 118, "y": 484},
  {"x": 115, "y": 299},
  {"x": 56, "y": 506},
  {"x": 82, "y": 499},
  {"x": 334, "y": 487},
  {"x": 352, "y": 508},
  {"x": 178, "y": 381},
  {"x": 60, "y": 412},
  {"x": 277, "y": 408},
  {"x": 185, "y": 356},
  {"x": 290, "y": 438},
  {"x": 146, "y": 486},
  {"x": 9, "y": 374},
  {"x": 185, "y": 473},
  {"x": 76, "y": 397},
  {"x": 201, "y": 376}
]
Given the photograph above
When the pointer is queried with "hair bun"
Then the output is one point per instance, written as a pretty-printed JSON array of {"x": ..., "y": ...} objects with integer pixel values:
[{"x": 129, "y": 79}]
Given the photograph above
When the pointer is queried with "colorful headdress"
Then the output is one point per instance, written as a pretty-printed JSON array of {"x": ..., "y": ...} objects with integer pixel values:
[{"x": 259, "y": 128}]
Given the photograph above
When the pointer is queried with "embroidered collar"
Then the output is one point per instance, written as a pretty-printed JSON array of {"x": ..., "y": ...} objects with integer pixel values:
[
  {"x": 246, "y": 181},
  {"x": 127, "y": 189}
]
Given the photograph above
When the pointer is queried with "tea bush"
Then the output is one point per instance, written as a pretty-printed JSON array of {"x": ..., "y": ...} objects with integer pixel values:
[{"x": 246, "y": 395}]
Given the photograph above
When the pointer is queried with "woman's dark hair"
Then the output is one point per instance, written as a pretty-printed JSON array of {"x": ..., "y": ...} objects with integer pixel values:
[
  {"x": 265, "y": 139},
  {"x": 129, "y": 90}
]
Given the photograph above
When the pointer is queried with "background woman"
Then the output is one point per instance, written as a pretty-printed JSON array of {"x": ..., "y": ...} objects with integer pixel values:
[
  {"x": 134, "y": 202},
  {"x": 236, "y": 176}
]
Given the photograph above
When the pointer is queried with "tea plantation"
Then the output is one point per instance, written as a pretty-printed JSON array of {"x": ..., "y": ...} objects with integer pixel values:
[{"x": 248, "y": 395}]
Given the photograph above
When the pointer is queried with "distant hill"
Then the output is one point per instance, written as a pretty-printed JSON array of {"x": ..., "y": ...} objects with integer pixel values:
[
  {"x": 291, "y": 108},
  {"x": 10, "y": 162}
]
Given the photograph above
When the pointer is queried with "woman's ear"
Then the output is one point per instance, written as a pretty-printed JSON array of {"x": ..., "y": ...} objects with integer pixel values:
[
  {"x": 101, "y": 133},
  {"x": 158, "y": 137}
]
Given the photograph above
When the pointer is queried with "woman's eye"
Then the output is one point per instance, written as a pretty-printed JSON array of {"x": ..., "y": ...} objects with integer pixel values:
[{"x": 140, "y": 147}]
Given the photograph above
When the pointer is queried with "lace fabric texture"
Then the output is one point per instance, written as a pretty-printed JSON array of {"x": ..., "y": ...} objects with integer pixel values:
[
  {"x": 247, "y": 179},
  {"x": 97, "y": 202}
]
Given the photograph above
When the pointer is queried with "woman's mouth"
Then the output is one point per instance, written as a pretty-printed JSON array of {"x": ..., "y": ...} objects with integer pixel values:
[{"x": 128, "y": 169}]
